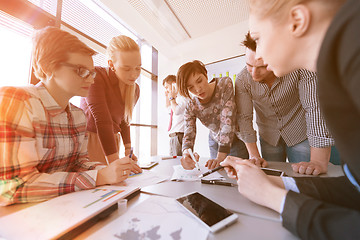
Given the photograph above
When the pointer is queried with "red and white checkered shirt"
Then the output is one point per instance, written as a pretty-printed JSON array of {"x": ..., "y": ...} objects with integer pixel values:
[{"x": 43, "y": 148}]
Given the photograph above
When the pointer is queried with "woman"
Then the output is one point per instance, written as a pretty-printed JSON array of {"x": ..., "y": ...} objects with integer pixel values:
[
  {"x": 109, "y": 105},
  {"x": 327, "y": 32},
  {"x": 43, "y": 137},
  {"x": 214, "y": 105}
]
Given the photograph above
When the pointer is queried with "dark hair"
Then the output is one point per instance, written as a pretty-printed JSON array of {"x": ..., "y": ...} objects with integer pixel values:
[
  {"x": 169, "y": 79},
  {"x": 249, "y": 42},
  {"x": 184, "y": 72}
]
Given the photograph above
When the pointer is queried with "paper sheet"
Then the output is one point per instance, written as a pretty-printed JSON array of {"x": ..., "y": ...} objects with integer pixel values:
[
  {"x": 143, "y": 179},
  {"x": 51, "y": 219},
  {"x": 155, "y": 218},
  {"x": 180, "y": 174}
]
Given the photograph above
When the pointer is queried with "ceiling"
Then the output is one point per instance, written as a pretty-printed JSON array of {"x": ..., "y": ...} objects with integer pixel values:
[
  {"x": 183, "y": 29},
  {"x": 198, "y": 17}
]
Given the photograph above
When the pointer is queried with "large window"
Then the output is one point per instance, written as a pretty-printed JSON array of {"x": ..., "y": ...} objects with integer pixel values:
[
  {"x": 94, "y": 24},
  {"x": 15, "y": 48}
]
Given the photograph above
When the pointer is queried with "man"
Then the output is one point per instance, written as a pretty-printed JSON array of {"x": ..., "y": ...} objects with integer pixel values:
[
  {"x": 176, "y": 105},
  {"x": 287, "y": 114}
]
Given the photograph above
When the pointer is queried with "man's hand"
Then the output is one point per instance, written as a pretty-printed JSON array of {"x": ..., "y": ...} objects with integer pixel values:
[
  {"x": 310, "y": 168},
  {"x": 253, "y": 183}
]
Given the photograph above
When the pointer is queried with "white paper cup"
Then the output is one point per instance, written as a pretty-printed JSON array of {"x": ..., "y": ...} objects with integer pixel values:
[{"x": 122, "y": 205}]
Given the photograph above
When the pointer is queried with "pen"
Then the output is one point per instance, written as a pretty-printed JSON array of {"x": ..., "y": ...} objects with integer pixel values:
[
  {"x": 217, "y": 182},
  {"x": 171, "y": 157},
  {"x": 193, "y": 158},
  {"x": 211, "y": 171},
  {"x": 131, "y": 152}
]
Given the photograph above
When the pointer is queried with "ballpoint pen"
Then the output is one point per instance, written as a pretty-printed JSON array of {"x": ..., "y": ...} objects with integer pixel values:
[
  {"x": 131, "y": 152},
  {"x": 211, "y": 171},
  {"x": 193, "y": 158},
  {"x": 217, "y": 182}
]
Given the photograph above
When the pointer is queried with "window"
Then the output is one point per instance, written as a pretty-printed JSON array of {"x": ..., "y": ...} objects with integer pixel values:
[
  {"x": 15, "y": 48},
  {"x": 94, "y": 24}
]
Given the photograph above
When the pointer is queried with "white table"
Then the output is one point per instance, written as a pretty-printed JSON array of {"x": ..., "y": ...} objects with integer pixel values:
[{"x": 247, "y": 227}]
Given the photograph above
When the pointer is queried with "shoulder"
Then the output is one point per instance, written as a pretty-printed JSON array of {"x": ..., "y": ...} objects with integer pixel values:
[
  {"x": 225, "y": 85},
  {"x": 224, "y": 82},
  {"x": 301, "y": 74},
  {"x": 243, "y": 75},
  {"x": 101, "y": 76},
  {"x": 14, "y": 101},
  {"x": 17, "y": 93},
  {"x": 341, "y": 43}
]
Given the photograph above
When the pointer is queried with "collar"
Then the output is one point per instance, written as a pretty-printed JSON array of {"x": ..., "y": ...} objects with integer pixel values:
[{"x": 49, "y": 103}]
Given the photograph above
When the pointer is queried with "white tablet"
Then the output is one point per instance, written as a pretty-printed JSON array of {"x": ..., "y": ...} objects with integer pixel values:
[{"x": 211, "y": 214}]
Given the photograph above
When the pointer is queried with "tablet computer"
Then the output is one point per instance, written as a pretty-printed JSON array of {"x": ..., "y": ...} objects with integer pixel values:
[{"x": 210, "y": 214}]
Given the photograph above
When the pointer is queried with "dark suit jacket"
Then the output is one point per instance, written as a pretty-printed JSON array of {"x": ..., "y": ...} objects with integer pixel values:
[{"x": 330, "y": 208}]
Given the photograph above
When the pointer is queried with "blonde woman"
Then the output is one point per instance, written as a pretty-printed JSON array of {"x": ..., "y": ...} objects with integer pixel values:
[
  {"x": 109, "y": 105},
  {"x": 319, "y": 35}
]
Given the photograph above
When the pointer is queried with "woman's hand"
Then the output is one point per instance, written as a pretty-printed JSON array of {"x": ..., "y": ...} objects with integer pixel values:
[
  {"x": 187, "y": 162},
  {"x": 117, "y": 171}
]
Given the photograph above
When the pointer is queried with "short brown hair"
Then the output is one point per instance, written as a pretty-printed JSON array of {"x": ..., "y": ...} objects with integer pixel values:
[
  {"x": 249, "y": 42},
  {"x": 184, "y": 72},
  {"x": 169, "y": 79},
  {"x": 51, "y": 47}
]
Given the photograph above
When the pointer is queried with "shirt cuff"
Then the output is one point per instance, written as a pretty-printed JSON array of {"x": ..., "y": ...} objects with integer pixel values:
[{"x": 290, "y": 184}]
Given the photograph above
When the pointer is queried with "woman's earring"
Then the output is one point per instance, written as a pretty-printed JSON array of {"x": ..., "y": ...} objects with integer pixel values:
[{"x": 112, "y": 69}]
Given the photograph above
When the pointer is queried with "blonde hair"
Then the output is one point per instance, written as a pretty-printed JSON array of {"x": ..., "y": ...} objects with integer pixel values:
[
  {"x": 51, "y": 46},
  {"x": 278, "y": 9},
  {"x": 124, "y": 43}
]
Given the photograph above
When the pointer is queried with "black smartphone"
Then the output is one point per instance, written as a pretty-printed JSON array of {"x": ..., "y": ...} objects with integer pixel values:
[
  {"x": 209, "y": 213},
  {"x": 273, "y": 172}
]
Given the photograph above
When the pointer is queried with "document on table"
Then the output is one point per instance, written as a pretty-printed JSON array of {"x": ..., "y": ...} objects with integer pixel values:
[
  {"x": 155, "y": 218},
  {"x": 146, "y": 178},
  {"x": 180, "y": 174},
  {"x": 57, "y": 216}
]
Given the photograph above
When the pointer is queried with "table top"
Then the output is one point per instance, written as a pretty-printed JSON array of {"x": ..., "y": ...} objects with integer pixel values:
[{"x": 247, "y": 225}]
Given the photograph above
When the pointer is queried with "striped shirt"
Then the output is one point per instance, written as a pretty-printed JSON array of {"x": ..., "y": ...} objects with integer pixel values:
[
  {"x": 289, "y": 110},
  {"x": 43, "y": 148},
  {"x": 218, "y": 115}
]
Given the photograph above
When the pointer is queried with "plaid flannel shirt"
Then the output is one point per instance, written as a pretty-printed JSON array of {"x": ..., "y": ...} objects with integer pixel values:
[{"x": 43, "y": 148}]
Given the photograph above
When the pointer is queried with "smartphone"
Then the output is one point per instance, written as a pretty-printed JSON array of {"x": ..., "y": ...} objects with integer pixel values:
[
  {"x": 210, "y": 214},
  {"x": 148, "y": 165},
  {"x": 273, "y": 172}
]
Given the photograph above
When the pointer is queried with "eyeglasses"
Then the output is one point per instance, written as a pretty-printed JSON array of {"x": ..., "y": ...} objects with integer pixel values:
[{"x": 81, "y": 71}]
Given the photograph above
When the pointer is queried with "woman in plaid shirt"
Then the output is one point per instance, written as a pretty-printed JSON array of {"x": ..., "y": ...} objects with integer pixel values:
[{"x": 43, "y": 146}]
